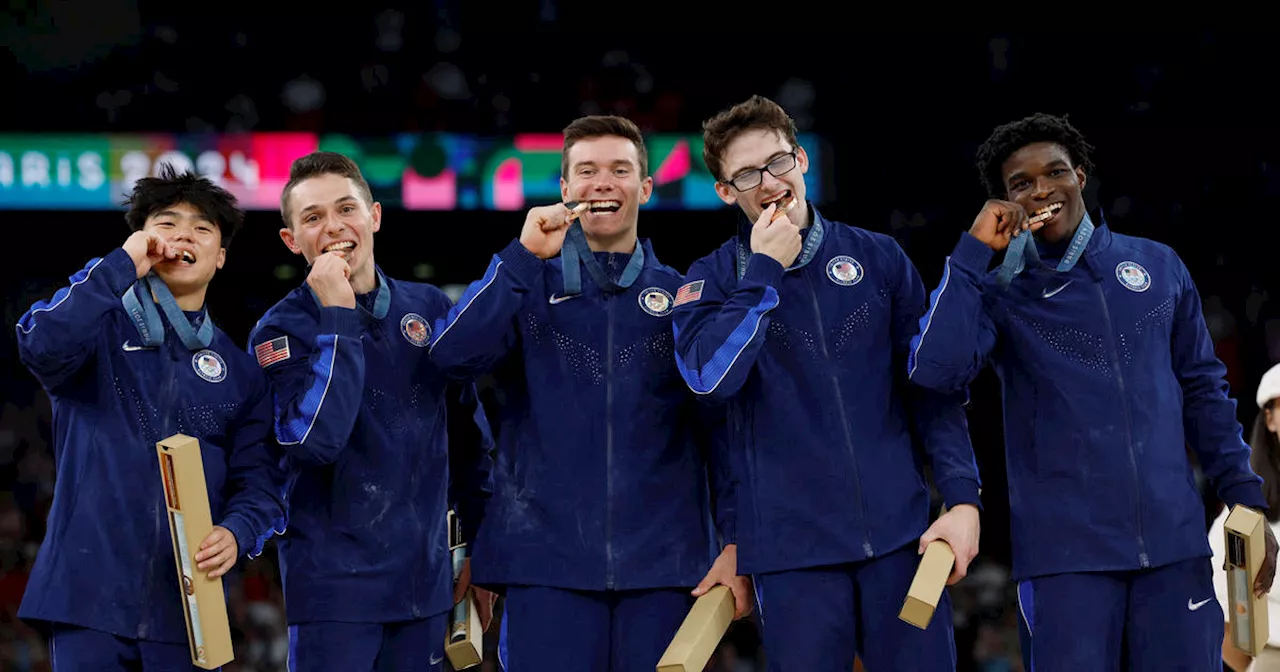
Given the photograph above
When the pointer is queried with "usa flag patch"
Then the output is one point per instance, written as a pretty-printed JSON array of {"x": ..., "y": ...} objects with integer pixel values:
[
  {"x": 690, "y": 292},
  {"x": 272, "y": 351}
]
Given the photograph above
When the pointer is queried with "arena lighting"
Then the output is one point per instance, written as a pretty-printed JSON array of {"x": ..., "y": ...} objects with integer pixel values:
[{"x": 435, "y": 171}]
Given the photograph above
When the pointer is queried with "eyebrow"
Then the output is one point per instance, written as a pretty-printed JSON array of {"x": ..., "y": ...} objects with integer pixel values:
[
  {"x": 618, "y": 162},
  {"x": 174, "y": 214},
  {"x": 772, "y": 157},
  {"x": 317, "y": 206},
  {"x": 1056, "y": 163}
]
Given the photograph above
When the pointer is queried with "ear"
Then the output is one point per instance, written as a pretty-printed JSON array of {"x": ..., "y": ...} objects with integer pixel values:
[
  {"x": 1273, "y": 420},
  {"x": 725, "y": 193},
  {"x": 646, "y": 190},
  {"x": 564, "y": 190},
  {"x": 375, "y": 213},
  {"x": 222, "y": 257},
  {"x": 1081, "y": 176},
  {"x": 802, "y": 159},
  {"x": 286, "y": 234}
]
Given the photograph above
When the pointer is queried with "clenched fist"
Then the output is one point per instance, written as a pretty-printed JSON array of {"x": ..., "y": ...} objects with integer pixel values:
[
  {"x": 330, "y": 279},
  {"x": 999, "y": 222},
  {"x": 779, "y": 239},
  {"x": 544, "y": 230},
  {"x": 146, "y": 249}
]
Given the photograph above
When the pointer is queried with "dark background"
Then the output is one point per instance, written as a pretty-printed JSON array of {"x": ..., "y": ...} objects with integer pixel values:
[{"x": 1183, "y": 124}]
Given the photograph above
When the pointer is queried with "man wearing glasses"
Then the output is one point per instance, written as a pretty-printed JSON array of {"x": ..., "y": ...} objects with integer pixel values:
[{"x": 802, "y": 327}]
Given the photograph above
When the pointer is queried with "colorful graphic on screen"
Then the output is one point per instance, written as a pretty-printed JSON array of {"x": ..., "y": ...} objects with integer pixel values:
[{"x": 435, "y": 171}]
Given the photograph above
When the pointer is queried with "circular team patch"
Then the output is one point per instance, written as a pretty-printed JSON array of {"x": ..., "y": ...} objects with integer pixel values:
[
  {"x": 656, "y": 301},
  {"x": 844, "y": 270},
  {"x": 1133, "y": 276},
  {"x": 209, "y": 365},
  {"x": 415, "y": 329}
]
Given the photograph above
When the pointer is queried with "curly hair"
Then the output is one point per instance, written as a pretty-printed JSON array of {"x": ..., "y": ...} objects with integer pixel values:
[
  {"x": 153, "y": 194},
  {"x": 757, "y": 112},
  {"x": 1009, "y": 138}
]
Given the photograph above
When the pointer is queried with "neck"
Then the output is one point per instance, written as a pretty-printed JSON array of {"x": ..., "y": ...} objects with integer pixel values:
[
  {"x": 1068, "y": 232},
  {"x": 189, "y": 301},
  {"x": 623, "y": 242},
  {"x": 805, "y": 216},
  {"x": 365, "y": 282}
]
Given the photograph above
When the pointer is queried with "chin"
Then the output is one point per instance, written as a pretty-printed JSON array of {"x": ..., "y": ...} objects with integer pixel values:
[
  {"x": 607, "y": 230},
  {"x": 185, "y": 278}
]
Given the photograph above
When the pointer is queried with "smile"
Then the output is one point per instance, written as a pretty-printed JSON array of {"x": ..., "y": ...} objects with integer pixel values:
[
  {"x": 1046, "y": 213},
  {"x": 605, "y": 206}
]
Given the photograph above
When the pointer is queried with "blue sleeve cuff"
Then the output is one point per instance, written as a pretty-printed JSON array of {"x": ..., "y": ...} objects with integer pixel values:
[
  {"x": 972, "y": 254},
  {"x": 340, "y": 321},
  {"x": 957, "y": 491},
  {"x": 523, "y": 263},
  {"x": 245, "y": 541},
  {"x": 1248, "y": 493},
  {"x": 763, "y": 269}
]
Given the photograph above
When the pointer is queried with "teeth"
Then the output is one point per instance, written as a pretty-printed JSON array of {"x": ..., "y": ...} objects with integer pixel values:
[
  {"x": 778, "y": 199},
  {"x": 1045, "y": 213},
  {"x": 188, "y": 257},
  {"x": 605, "y": 204},
  {"x": 345, "y": 245}
]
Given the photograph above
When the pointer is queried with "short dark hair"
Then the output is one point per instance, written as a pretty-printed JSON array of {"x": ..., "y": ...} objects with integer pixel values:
[
  {"x": 755, "y": 113},
  {"x": 1009, "y": 138},
  {"x": 596, "y": 126},
  {"x": 316, "y": 164},
  {"x": 153, "y": 194}
]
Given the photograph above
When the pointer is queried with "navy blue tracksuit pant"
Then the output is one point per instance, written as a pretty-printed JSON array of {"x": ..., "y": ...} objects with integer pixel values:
[
  {"x": 589, "y": 631},
  {"x": 820, "y": 619},
  {"x": 1165, "y": 618},
  {"x": 76, "y": 649},
  {"x": 369, "y": 647}
]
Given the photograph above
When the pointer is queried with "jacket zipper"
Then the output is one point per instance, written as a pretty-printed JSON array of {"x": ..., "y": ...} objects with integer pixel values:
[
  {"x": 844, "y": 421},
  {"x": 1128, "y": 424},
  {"x": 608, "y": 442}
]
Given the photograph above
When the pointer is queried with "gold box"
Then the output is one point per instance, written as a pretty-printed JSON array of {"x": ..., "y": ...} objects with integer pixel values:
[
  {"x": 700, "y": 633},
  {"x": 464, "y": 643},
  {"x": 928, "y": 584},
  {"x": 190, "y": 521},
  {"x": 1246, "y": 550}
]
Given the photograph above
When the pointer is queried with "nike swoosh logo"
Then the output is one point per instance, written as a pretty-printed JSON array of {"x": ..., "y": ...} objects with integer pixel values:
[
  {"x": 1046, "y": 294},
  {"x": 129, "y": 347},
  {"x": 559, "y": 299},
  {"x": 434, "y": 660},
  {"x": 1192, "y": 606}
]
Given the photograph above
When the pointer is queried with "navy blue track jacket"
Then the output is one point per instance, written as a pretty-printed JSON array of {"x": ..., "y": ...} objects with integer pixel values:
[
  {"x": 1108, "y": 372},
  {"x": 106, "y": 562},
  {"x": 601, "y": 476},
  {"x": 824, "y": 429},
  {"x": 380, "y": 444}
]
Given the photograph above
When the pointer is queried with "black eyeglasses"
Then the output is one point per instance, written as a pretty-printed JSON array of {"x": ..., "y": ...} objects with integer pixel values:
[{"x": 752, "y": 178}]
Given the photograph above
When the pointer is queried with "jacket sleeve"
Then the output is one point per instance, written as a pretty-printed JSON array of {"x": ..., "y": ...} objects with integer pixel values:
[
  {"x": 1208, "y": 412},
  {"x": 471, "y": 448},
  {"x": 720, "y": 324},
  {"x": 255, "y": 476},
  {"x": 317, "y": 390},
  {"x": 956, "y": 334},
  {"x": 477, "y": 331},
  {"x": 56, "y": 337},
  {"x": 714, "y": 437},
  {"x": 938, "y": 418}
]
